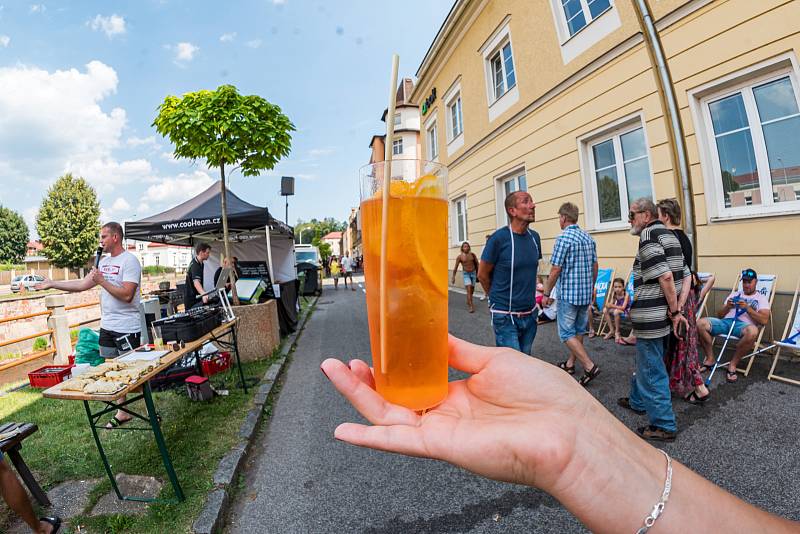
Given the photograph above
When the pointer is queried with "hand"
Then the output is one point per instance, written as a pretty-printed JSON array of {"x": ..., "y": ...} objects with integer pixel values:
[
  {"x": 742, "y": 304},
  {"x": 205, "y": 299},
  {"x": 516, "y": 419},
  {"x": 679, "y": 320},
  {"x": 97, "y": 276},
  {"x": 547, "y": 301},
  {"x": 44, "y": 284}
]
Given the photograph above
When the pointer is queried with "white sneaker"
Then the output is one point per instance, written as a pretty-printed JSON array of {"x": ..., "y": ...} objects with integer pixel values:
[{"x": 483, "y": 297}]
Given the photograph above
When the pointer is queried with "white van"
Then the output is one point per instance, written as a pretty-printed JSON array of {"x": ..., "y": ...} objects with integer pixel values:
[{"x": 307, "y": 254}]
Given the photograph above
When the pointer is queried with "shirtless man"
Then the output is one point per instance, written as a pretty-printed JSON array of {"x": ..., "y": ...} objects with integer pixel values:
[{"x": 469, "y": 262}]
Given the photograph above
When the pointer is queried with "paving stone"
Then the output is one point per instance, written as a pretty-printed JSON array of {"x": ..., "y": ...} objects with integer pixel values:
[
  {"x": 69, "y": 499},
  {"x": 211, "y": 514},
  {"x": 229, "y": 465},
  {"x": 131, "y": 485}
]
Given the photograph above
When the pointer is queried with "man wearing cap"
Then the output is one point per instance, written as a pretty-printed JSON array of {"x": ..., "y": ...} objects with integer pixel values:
[{"x": 742, "y": 315}]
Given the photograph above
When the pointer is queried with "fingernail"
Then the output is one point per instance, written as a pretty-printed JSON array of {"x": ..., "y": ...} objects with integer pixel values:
[
  {"x": 348, "y": 365},
  {"x": 324, "y": 373}
]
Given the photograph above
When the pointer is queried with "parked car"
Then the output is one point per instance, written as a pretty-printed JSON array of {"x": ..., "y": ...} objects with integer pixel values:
[
  {"x": 307, "y": 254},
  {"x": 25, "y": 280}
]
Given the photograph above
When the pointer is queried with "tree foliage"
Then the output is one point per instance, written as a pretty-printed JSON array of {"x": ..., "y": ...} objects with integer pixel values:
[
  {"x": 315, "y": 229},
  {"x": 68, "y": 222},
  {"x": 223, "y": 128},
  {"x": 13, "y": 236}
]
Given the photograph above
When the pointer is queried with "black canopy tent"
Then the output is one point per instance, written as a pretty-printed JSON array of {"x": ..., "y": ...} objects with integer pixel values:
[{"x": 251, "y": 231}]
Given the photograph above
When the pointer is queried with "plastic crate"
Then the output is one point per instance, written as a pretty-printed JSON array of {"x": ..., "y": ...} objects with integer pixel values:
[
  {"x": 71, "y": 359},
  {"x": 215, "y": 363},
  {"x": 49, "y": 375}
]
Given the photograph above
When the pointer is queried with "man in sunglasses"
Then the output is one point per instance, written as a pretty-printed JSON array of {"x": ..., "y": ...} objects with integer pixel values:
[
  {"x": 743, "y": 314},
  {"x": 659, "y": 272}
]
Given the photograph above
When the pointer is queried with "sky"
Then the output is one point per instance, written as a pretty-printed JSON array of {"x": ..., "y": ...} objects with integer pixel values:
[{"x": 80, "y": 83}]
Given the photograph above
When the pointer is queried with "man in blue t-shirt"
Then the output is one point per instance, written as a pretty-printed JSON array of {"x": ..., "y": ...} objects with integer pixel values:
[{"x": 507, "y": 272}]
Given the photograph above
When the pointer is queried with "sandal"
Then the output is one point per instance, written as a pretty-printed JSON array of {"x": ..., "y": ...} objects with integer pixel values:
[
  {"x": 694, "y": 398},
  {"x": 589, "y": 375},
  {"x": 55, "y": 521},
  {"x": 623, "y": 341},
  {"x": 704, "y": 367},
  {"x": 731, "y": 377},
  {"x": 592, "y": 334},
  {"x": 608, "y": 336},
  {"x": 116, "y": 422},
  {"x": 568, "y": 368}
]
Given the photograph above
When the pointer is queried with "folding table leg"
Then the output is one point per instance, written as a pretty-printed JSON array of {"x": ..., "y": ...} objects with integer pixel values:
[
  {"x": 238, "y": 361},
  {"x": 102, "y": 452},
  {"x": 162, "y": 446}
]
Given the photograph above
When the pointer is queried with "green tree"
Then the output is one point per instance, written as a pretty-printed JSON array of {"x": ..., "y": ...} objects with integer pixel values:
[
  {"x": 13, "y": 236},
  {"x": 68, "y": 222},
  {"x": 325, "y": 249},
  {"x": 317, "y": 229},
  {"x": 225, "y": 128}
]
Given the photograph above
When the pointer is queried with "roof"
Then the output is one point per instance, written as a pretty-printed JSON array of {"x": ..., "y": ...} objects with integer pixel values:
[
  {"x": 444, "y": 30},
  {"x": 402, "y": 97},
  {"x": 333, "y": 235},
  {"x": 36, "y": 245}
]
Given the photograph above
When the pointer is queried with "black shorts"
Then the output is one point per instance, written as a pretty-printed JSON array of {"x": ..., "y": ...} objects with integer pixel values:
[{"x": 109, "y": 341}]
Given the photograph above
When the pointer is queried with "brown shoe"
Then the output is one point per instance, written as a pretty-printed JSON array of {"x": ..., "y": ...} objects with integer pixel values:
[{"x": 653, "y": 433}]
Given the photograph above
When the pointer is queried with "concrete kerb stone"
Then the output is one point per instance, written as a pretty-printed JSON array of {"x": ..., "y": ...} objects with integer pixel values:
[{"x": 210, "y": 518}]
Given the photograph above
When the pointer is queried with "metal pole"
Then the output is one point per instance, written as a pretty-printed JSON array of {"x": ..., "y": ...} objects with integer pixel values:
[{"x": 286, "y": 217}]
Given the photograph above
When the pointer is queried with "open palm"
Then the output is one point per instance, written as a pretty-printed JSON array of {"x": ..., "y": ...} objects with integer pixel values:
[{"x": 513, "y": 419}]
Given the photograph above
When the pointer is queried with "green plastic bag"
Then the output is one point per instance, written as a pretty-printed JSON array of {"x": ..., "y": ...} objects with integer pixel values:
[{"x": 87, "y": 350}]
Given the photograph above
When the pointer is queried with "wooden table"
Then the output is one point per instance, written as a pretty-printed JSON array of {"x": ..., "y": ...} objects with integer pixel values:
[
  {"x": 140, "y": 389},
  {"x": 11, "y": 446}
]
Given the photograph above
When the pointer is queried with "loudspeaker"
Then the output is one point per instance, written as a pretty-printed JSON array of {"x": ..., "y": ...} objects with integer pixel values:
[{"x": 287, "y": 186}]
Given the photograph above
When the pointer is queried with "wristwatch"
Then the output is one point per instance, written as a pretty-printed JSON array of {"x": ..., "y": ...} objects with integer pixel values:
[{"x": 674, "y": 314}]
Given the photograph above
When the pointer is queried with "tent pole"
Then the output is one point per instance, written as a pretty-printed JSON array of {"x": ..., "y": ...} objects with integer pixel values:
[{"x": 269, "y": 256}]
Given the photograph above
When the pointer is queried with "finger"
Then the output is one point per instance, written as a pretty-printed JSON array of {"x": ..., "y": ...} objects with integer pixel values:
[
  {"x": 398, "y": 438},
  {"x": 467, "y": 357},
  {"x": 363, "y": 372},
  {"x": 365, "y": 399}
]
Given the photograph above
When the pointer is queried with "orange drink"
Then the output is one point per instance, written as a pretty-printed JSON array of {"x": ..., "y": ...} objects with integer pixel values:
[{"x": 413, "y": 372}]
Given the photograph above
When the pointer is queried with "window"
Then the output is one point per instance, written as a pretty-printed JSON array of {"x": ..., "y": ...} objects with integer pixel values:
[
  {"x": 502, "y": 68},
  {"x": 507, "y": 184},
  {"x": 433, "y": 142},
  {"x": 459, "y": 211},
  {"x": 397, "y": 146},
  {"x": 618, "y": 174},
  {"x": 141, "y": 246},
  {"x": 397, "y": 119},
  {"x": 454, "y": 112},
  {"x": 578, "y": 13},
  {"x": 752, "y": 131},
  {"x": 158, "y": 259}
]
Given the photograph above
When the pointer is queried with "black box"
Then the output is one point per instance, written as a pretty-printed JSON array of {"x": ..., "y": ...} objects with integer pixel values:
[{"x": 189, "y": 326}]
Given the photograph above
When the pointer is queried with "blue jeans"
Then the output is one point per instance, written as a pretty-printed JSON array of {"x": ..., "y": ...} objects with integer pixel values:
[
  {"x": 573, "y": 320},
  {"x": 517, "y": 332},
  {"x": 650, "y": 384}
]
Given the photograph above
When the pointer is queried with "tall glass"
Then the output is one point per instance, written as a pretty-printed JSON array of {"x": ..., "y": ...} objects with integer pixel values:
[{"x": 413, "y": 372}]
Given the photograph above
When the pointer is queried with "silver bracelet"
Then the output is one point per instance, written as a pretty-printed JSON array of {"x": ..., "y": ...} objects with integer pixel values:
[{"x": 658, "y": 509}]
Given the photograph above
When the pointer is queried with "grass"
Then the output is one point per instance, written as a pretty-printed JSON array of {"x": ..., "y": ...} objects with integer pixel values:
[
  {"x": 10, "y": 296},
  {"x": 197, "y": 436}
]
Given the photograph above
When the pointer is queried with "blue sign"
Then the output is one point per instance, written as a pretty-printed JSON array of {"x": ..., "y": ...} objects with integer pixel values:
[{"x": 604, "y": 277}]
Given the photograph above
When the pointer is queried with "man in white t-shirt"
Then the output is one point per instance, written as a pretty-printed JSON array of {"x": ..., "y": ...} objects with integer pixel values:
[
  {"x": 347, "y": 270},
  {"x": 119, "y": 276},
  {"x": 742, "y": 315}
]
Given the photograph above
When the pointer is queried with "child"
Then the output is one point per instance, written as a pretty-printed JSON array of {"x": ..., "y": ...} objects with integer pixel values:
[
  {"x": 616, "y": 308},
  {"x": 335, "y": 272}
]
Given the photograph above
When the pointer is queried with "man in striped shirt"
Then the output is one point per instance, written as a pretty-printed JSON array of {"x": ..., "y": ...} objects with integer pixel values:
[{"x": 659, "y": 272}]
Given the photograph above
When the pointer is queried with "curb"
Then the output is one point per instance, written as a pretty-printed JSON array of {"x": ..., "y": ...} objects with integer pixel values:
[{"x": 210, "y": 519}]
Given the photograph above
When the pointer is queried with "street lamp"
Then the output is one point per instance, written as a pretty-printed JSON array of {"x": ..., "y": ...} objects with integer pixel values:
[
  {"x": 785, "y": 178},
  {"x": 301, "y": 234}
]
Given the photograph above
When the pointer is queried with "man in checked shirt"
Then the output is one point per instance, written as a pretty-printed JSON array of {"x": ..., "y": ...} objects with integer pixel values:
[{"x": 574, "y": 269}]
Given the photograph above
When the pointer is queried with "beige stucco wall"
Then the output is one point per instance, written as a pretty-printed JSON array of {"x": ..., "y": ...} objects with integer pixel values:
[{"x": 720, "y": 37}]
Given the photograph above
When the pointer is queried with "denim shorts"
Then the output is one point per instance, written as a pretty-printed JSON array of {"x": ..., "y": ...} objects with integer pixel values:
[
  {"x": 572, "y": 320},
  {"x": 720, "y": 327},
  {"x": 469, "y": 278}
]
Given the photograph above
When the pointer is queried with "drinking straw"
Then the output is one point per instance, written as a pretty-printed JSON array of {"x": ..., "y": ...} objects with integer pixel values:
[{"x": 387, "y": 176}]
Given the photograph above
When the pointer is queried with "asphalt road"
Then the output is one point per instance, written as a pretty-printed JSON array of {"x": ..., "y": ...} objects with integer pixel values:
[{"x": 299, "y": 479}]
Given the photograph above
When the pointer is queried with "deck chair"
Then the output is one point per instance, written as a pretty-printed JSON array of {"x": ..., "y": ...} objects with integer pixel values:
[
  {"x": 702, "y": 305},
  {"x": 766, "y": 286},
  {"x": 629, "y": 290},
  {"x": 790, "y": 340},
  {"x": 601, "y": 287}
]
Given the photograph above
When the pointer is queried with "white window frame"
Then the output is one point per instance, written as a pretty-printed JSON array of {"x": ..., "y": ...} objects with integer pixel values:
[
  {"x": 453, "y": 94},
  {"x": 397, "y": 119},
  {"x": 500, "y": 190},
  {"x": 574, "y": 45},
  {"x": 455, "y": 238},
  {"x": 741, "y": 82},
  {"x": 397, "y": 146},
  {"x": 590, "y": 195},
  {"x": 432, "y": 138},
  {"x": 497, "y": 104}
]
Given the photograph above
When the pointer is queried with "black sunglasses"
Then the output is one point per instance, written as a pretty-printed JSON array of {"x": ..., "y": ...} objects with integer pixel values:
[
  {"x": 632, "y": 214},
  {"x": 749, "y": 273}
]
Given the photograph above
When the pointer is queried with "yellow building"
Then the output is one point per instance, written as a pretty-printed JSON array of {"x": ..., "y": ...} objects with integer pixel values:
[{"x": 561, "y": 97}]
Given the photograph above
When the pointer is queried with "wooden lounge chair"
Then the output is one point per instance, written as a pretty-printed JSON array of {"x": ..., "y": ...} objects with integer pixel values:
[
  {"x": 790, "y": 340},
  {"x": 602, "y": 286}
]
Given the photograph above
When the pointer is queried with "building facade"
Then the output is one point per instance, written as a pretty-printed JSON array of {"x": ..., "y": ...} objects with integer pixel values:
[
  {"x": 561, "y": 98},
  {"x": 150, "y": 254},
  {"x": 334, "y": 239}
]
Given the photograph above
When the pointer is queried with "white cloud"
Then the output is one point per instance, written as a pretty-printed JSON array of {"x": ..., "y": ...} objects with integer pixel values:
[
  {"x": 38, "y": 8},
  {"x": 107, "y": 174},
  {"x": 111, "y": 26},
  {"x": 170, "y": 157},
  {"x": 120, "y": 205},
  {"x": 306, "y": 177},
  {"x": 141, "y": 141},
  {"x": 5, "y": 40},
  {"x": 255, "y": 43},
  {"x": 278, "y": 2},
  {"x": 227, "y": 37},
  {"x": 318, "y": 152},
  {"x": 185, "y": 52},
  {"x": 173, "y": 190}
]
